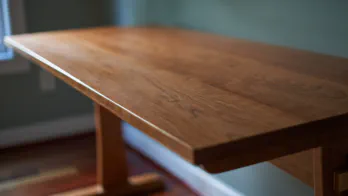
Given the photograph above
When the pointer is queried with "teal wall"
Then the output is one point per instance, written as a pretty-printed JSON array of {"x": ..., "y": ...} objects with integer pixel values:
[
  {"x": 315, "y": 25},
  {"x": 22, "y": 101}
]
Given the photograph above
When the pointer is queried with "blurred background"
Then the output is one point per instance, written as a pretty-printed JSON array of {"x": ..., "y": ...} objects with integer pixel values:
[{"x": 34, "y": 106}]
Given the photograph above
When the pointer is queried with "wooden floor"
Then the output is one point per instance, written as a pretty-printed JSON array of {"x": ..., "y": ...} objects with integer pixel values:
[{"x": 51, "y": 167}]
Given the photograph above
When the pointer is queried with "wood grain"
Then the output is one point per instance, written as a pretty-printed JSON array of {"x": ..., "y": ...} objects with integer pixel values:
[{"x": 211, "y": 99}]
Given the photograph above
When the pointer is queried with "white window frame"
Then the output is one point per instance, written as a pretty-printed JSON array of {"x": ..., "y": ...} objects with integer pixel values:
[
  {"x": 8, "y": 54},
  {"x": 17, "y": 64}
]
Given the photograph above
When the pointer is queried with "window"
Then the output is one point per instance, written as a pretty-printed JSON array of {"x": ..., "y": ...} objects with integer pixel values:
[
  {"x": 5, "y": 29},
  {"x": 12, "y": 20}
]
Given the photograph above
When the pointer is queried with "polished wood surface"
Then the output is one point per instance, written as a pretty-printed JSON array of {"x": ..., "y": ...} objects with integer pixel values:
[
  {"x": 76, "y": 152},
  {"x": 218, "y": 102}
]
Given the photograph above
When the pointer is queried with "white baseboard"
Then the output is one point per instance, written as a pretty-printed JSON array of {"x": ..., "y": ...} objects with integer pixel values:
[
  {"x": 46, "y": 130},
  {"x": 199, "y": 180}
]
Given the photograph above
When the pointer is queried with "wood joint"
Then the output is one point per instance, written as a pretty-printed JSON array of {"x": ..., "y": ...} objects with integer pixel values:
[{"x": 341, "y": 181}]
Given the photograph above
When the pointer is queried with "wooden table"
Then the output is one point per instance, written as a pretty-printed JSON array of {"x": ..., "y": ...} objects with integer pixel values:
[{"x": 219, "y": 103}]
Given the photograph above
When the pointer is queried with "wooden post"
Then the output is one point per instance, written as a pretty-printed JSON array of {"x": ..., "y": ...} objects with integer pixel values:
[
  {"x": 111, "y": 158},
  {"x": 329, "y": 162},
  {"x": 112, "y": 170}
]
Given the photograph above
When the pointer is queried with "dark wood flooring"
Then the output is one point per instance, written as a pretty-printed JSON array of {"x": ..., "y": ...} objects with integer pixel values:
[{"x": 72, "y": 163}]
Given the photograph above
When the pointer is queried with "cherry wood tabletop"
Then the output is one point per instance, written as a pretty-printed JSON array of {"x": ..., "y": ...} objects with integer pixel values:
[{"x": 219, "y": 102}]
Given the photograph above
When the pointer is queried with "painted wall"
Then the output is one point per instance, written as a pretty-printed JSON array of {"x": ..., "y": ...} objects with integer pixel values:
[
  {"x": 313, "y": 25},
  {"x": 22, "y": 102}
]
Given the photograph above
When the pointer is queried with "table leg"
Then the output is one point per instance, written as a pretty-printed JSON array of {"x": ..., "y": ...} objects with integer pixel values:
[
  {"x": 330, "y": 163},
  {"x": 112, "y": 172}
]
